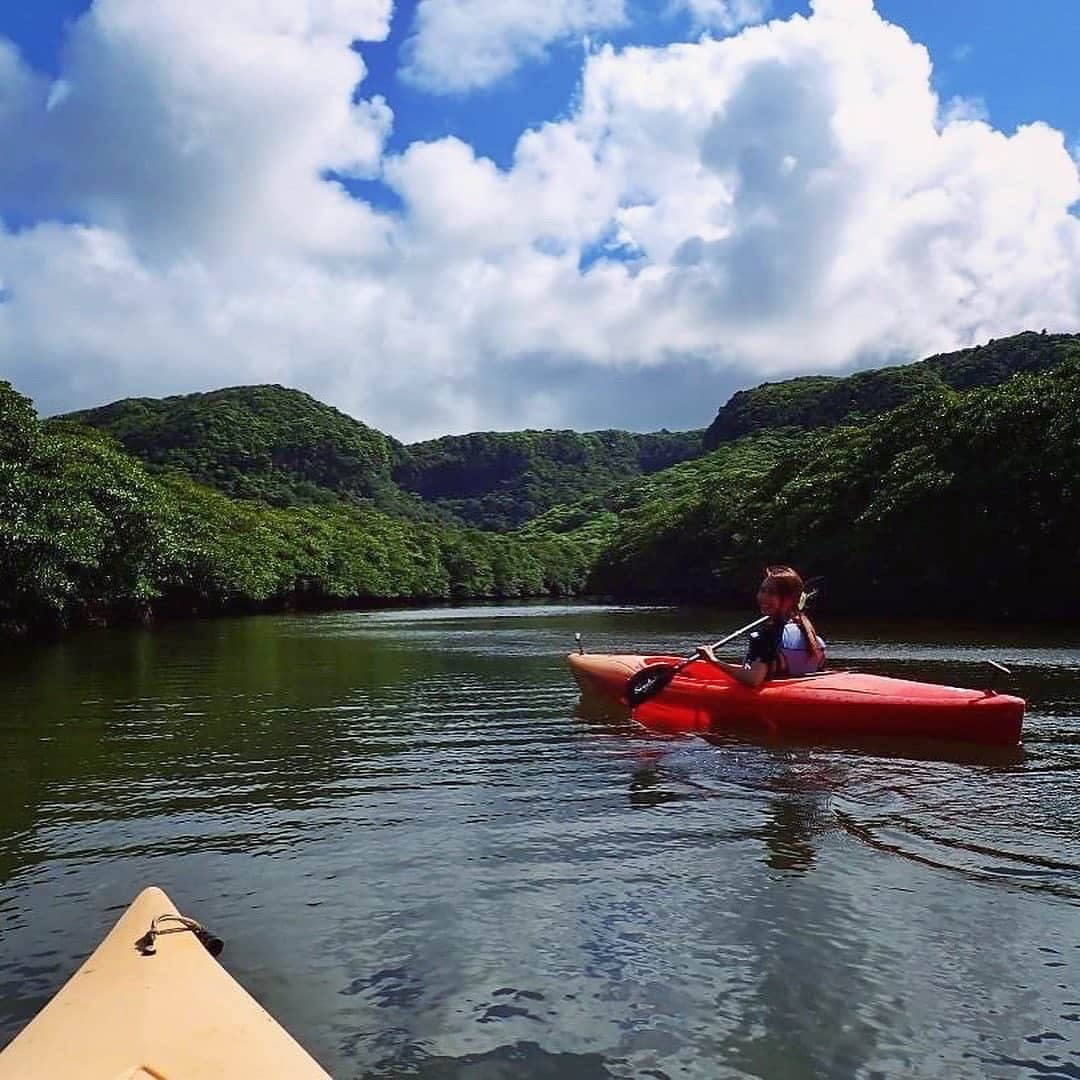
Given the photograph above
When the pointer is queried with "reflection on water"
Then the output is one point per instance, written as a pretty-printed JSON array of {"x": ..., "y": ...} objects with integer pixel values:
[{"x": 428, "y": 858}]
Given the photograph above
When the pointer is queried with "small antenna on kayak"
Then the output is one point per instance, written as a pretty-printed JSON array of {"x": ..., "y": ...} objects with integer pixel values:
[
  {"x": 997, "y": 667},
  {"x": 580, "y": 647}
]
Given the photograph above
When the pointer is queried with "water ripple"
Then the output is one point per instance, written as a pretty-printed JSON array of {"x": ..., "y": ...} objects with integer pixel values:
[{"x": 427, "y": 860}]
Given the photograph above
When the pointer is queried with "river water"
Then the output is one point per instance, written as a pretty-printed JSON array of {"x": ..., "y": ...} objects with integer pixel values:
[{"x": 428, "y": 859}]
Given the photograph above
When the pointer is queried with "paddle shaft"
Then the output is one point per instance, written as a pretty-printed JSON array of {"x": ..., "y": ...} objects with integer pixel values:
[
  {"x": 723, "y": 641},
  {"x": 808, "y": 594},
  {"x": 746, "y": 629},
  {"x": 742, "y": 630},
  {"x": 648, "y": 681}
]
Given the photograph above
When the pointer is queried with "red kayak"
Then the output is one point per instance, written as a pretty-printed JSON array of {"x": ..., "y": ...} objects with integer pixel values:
[{"x": 840, "y": 704}]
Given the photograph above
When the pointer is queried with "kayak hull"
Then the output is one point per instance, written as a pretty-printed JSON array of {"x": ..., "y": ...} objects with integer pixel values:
[
  {"x": 837, "y": 704},
  {"x": 175, "y": 1014}
]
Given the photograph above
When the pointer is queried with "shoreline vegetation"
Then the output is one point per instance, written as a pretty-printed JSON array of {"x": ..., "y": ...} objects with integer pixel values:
[{"x": 946, "y": 487}]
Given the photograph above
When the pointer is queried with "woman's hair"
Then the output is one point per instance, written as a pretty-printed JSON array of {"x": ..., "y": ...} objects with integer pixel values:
[
  {"x": 788, "y": 584},
  {"x": 783, "y": 581}
]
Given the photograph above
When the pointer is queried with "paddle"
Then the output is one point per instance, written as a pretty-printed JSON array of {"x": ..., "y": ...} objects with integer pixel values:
[{"x": 649, "y": 681}]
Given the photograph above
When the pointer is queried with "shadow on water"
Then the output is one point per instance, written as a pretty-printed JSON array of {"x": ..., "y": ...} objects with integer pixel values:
[
  {"x": 795, "y": 807},
  {"x": 809, "y": 788},
  {"x": 796, "y": 798}
]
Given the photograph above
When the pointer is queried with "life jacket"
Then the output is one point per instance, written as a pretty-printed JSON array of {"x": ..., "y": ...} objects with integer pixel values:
[{"x": 784, "y": 647}]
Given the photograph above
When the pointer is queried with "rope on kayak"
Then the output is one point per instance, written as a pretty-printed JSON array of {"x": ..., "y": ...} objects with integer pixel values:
[{"x": 146, "y": 946}]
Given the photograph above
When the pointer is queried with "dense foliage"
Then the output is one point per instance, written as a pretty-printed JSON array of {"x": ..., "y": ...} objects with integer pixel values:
[
  {"x": 946, "y": 487},
  {"x": 88, "y": 533},
  {"x": 954, "y": 503},
  {"x": 819, "y": 400},
  {"x": 287, "y": 449},
  {"x": 499, "y": 480},
  {"x": 652, "y": 538},
  {"x": 256, "y": 442}
]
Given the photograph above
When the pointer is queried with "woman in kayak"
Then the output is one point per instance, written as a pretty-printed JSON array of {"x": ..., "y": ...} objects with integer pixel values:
[{"x": 787, "y": 644}]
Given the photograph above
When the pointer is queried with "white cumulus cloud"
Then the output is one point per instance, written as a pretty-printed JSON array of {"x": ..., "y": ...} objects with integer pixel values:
[
  {"x": 723, "y": 15},
  {"x": 197, "y": 124},
  {"x": 460, "y": 45},
  {"x": 791, "y": 198}
]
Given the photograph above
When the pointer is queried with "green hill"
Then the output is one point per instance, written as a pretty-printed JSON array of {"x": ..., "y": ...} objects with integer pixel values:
[
  {"x": 955, "y": 503},
  {"x": 287, "y": 449},
  {"x": 943, "y": 487},
  {"x": 90, "y": 534},
  {"x": 821, "y": 400},
  {"x": 256, "y": 442},
  {"x": 499, "y": 480}
]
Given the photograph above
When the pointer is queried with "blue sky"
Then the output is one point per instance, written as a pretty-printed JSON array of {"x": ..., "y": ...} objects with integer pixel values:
[{"x": 643, "y": 255}]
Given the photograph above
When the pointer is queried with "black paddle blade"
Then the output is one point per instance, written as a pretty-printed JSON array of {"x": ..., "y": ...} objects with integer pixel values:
[{"x": 648, "y": 682}]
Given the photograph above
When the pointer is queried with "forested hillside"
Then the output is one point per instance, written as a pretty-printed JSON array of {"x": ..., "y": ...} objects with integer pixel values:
[
  {"x": 287, "y": 449},
  {"x": 256, "y": 442},
  {"x": 89, "y": 534},
  {"x": 960, "y": 498},
  {"x": 955, "y": 503},
  {"x": 499, "y": 480},
  {"x": 821, "y": 400}
]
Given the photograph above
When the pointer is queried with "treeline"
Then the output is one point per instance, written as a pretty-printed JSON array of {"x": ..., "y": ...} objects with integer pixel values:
[
  {"x": 270, "y": 443},
  {"x": 287, "y": 449},
  {"x": 816, "y": 401},
  {"x": 500, "y": 480},
  {"x": 956, "y": 503},
  {"x": 89, "y": 534},
  {"x": 947, "y": 487}
]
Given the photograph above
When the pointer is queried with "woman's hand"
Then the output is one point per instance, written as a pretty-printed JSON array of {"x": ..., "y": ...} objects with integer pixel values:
[{"x": 752, "y": 676}]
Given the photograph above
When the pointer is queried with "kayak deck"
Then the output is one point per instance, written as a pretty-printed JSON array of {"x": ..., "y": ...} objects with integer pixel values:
[
  {"x": 174, "y": 1014},
  {"x": 834, "y": 703}
]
